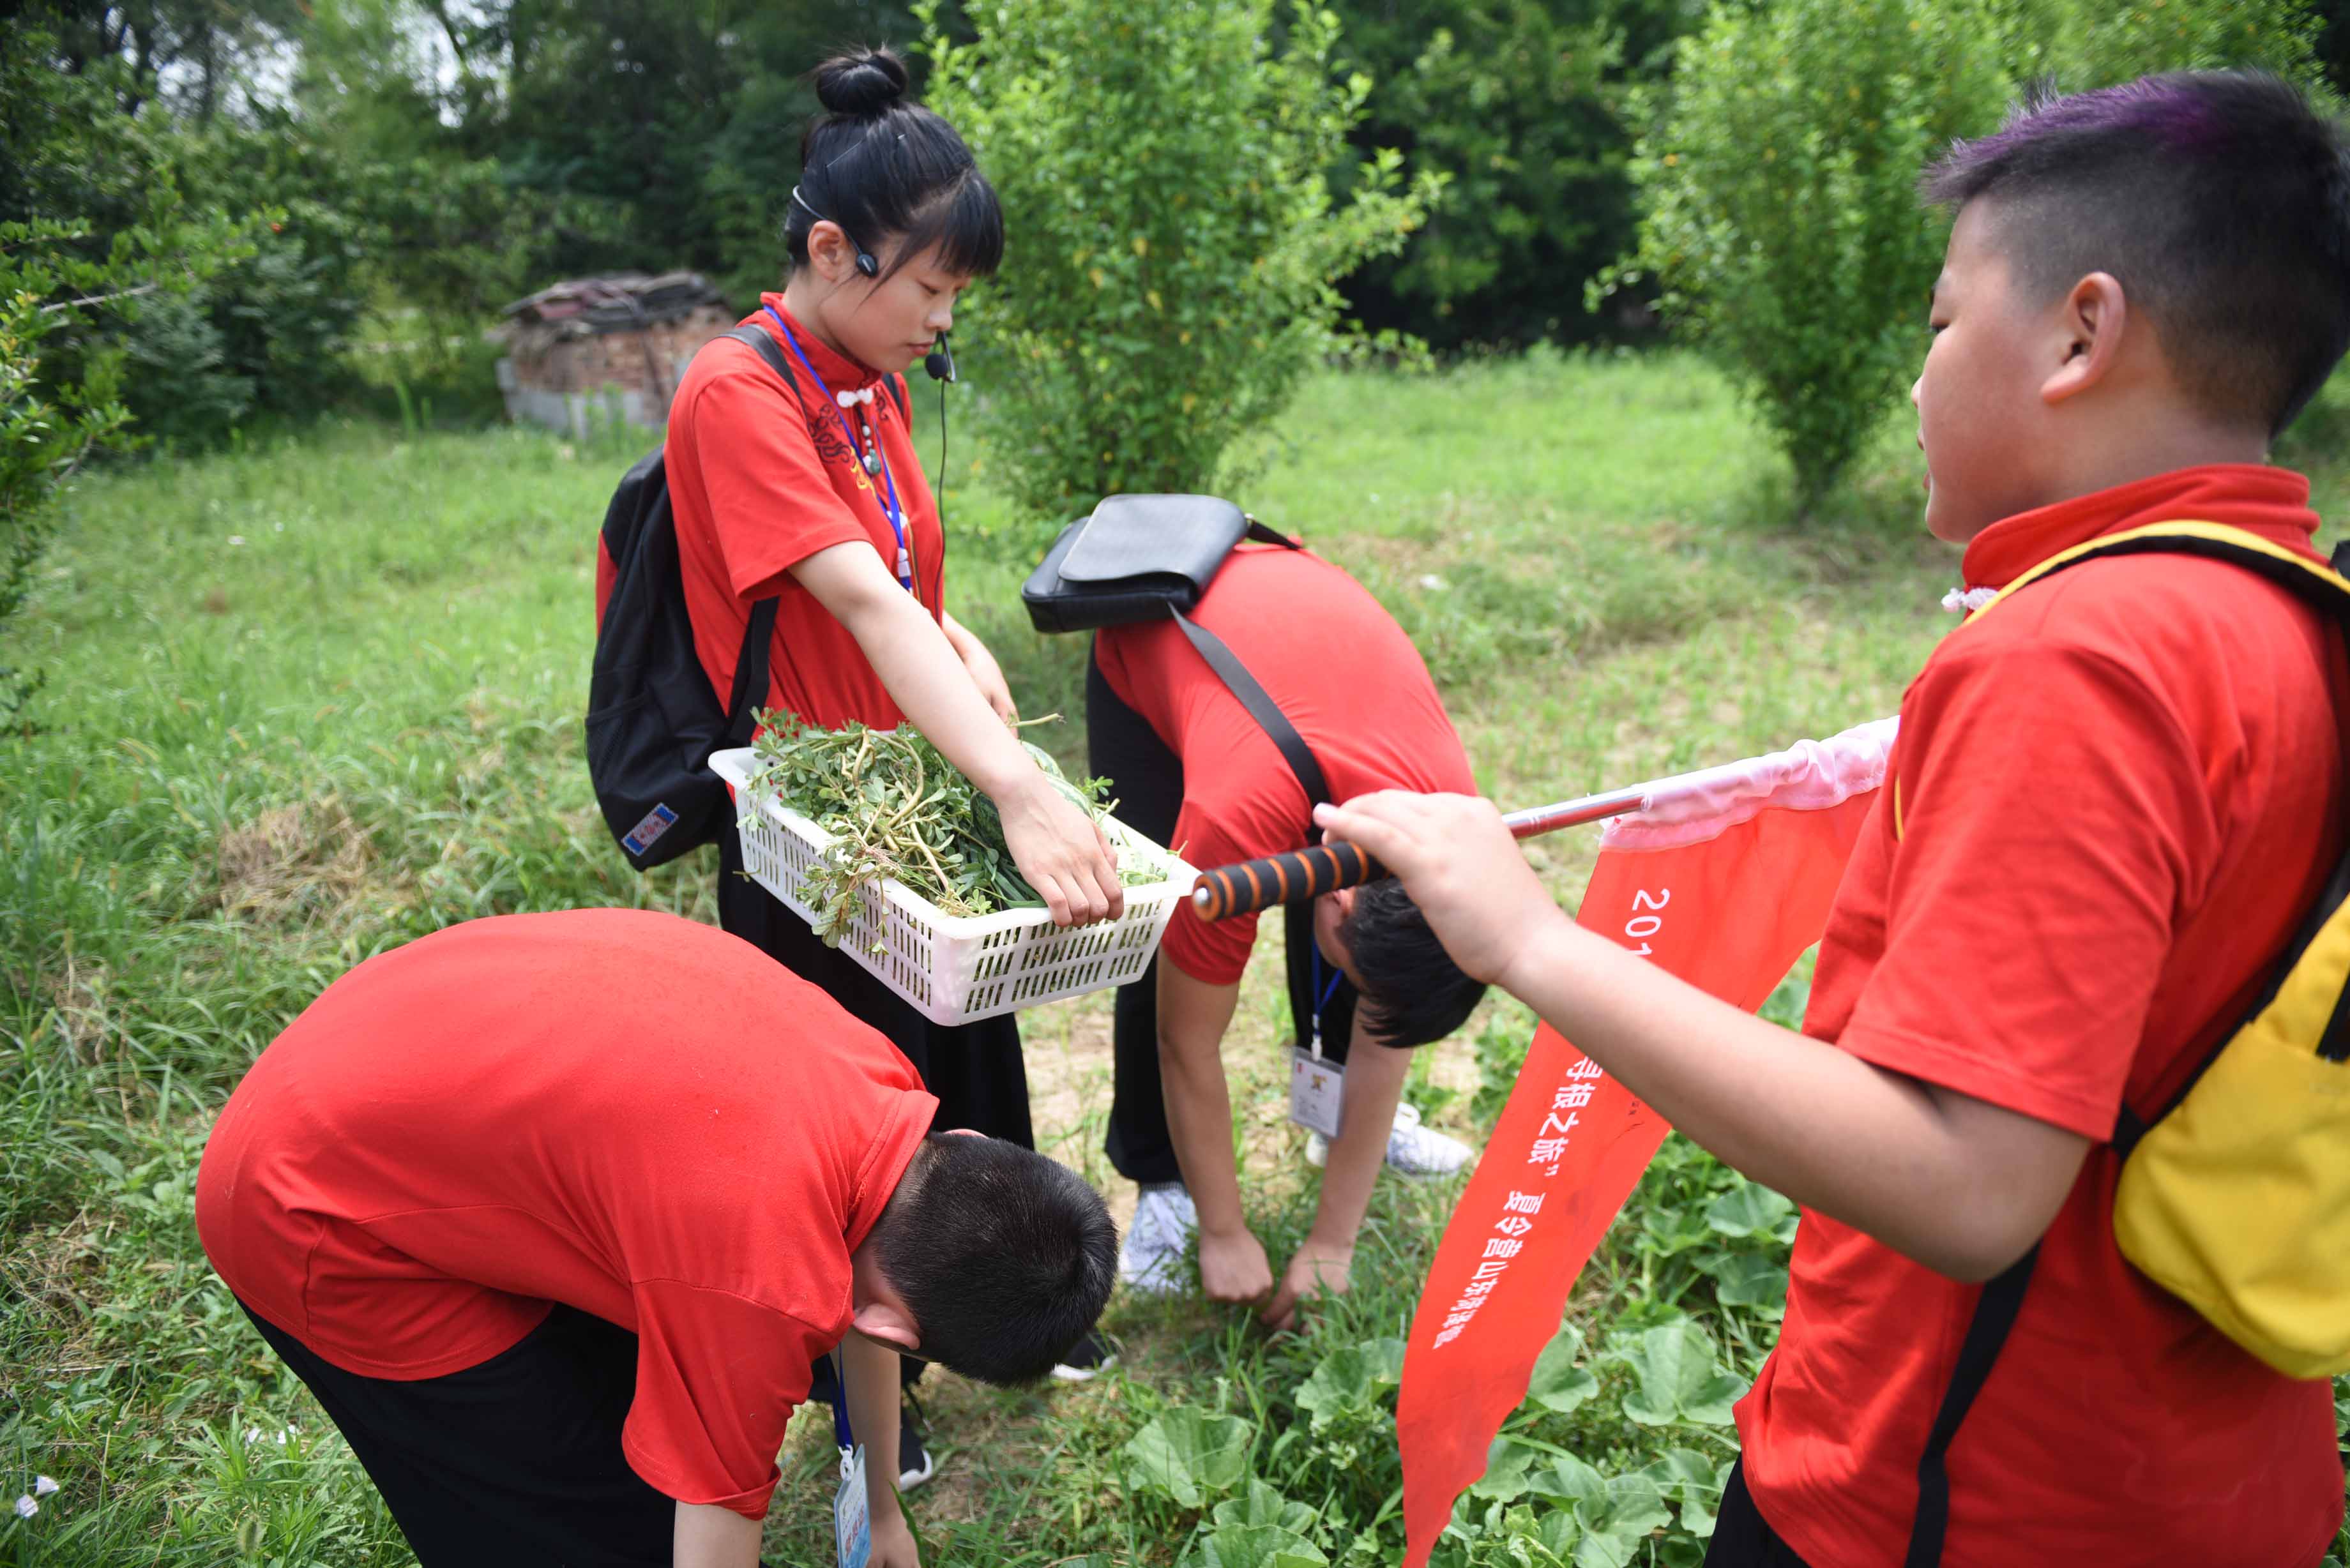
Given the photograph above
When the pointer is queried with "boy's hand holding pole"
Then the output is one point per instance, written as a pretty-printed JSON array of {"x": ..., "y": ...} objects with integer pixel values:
[{"x": 1955, "y": 1183}]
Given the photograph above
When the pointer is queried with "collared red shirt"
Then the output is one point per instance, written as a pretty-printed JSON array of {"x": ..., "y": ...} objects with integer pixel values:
[
  {"x": 633, "y": 1114},
  {"x": 759, "y": 480},
  {"x": 2113, "y": 799},
  {"x": 1338, "y": 668}
]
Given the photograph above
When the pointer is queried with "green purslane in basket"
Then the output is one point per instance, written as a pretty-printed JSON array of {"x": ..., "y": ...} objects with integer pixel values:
[{"x": 895, "y": 808}]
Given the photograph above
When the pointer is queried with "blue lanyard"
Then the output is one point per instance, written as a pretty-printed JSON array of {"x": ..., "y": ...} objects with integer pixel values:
[
  {"x": 891, "y": 509},
  {"x": 840, "y": 1402},
  {"x": 1328, "y": 991}
]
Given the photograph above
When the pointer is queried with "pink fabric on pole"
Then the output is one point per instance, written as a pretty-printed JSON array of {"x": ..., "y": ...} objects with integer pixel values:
[{"x": 1810, "y": 775}]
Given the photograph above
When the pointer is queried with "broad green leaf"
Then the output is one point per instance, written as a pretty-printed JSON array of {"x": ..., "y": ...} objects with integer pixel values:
[
  {"x": 1187, "y": 1453},
  {"x": 1264, "y": 1505},
  {"x": 1616, "y": 1524},
  {"x": 1567, "y": 1479},
  {"x": 1259, "y": 1546},
  {"x": 1558, "y": 1384},
  {"x": 1540, "y": 1537},
  {"x": 1666, "y": 1230},
  {"x": 1506, "y": 1464},
  {"x": 1351, "y": 1378},
  {"x": 1679, "y": 1378},
  {"x": 1692, "y": 1481},
  {"x": 1748, "y": 1209},
  {"x": 1749, "y": 1280}
]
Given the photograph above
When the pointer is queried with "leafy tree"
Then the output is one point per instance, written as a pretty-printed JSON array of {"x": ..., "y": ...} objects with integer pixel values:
[
  {"x": 655, "y": 135},
  {"x": 1171, "y": 243},
  {"x": 64, "y": 279},
  {"x": 1781, "y": 222},
  {"x": 1520, "y": 104},
  {"x": 194, "y": 54}
]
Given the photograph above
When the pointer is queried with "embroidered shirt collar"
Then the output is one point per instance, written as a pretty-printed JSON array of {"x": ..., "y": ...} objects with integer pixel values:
[{"x": 840, "y": 373}]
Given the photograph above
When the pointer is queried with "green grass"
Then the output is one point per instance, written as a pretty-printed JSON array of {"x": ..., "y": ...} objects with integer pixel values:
[{"x": 313, "y": 698}]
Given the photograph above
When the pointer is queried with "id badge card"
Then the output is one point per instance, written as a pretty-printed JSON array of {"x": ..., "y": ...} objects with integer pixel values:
[
  {"x": 1317, "y": 1091},
  {"x": 852, "y": 1517}
]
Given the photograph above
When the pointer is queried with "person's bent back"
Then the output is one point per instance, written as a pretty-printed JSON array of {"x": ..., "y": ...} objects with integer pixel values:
[{"x": 557, "y": 1212}]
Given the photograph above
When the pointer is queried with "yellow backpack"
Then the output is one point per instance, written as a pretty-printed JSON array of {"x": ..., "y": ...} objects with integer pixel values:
[{"x": 2235, "y": 1197}]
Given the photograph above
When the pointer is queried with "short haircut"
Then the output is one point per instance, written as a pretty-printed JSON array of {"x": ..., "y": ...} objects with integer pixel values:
[
  {"x": 1413, "y": 993},
  {"x": 884, "y": 169},
  {"x": 2220, "y": 201},
  {"x": 1005, "y": 1258}
]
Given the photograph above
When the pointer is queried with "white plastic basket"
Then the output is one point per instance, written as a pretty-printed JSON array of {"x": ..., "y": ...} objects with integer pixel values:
[{"x": 957, "y": 969}]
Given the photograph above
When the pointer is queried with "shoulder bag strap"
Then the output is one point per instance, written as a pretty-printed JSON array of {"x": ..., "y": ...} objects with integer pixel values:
[
  {"x": 1260, "y": 704},
  {"x": 1264, "y": 535}
]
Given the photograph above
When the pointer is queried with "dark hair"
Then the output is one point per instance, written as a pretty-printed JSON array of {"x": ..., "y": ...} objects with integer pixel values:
[
  {"x": 1413, "y": 993},
  {"x": 883, "y": 168},
  {"x": 1003, "y": 1257},
  {"x": 2219, "y": 200}
]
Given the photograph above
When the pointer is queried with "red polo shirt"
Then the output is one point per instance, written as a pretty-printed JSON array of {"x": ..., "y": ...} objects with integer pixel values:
[
  {"x": 2112, "y": 800},
  {"x": 640, "y": 1116},
  {"x": 759, "y": 480},
  {"x": 1335, "y": 662}
]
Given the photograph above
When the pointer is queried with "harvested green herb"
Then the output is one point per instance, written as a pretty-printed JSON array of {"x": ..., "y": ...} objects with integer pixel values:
[{"x": 895, "y": 808}]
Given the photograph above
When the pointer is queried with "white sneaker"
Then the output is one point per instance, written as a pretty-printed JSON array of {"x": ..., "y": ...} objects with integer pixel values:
[
  {"x": 1150, "y": 1260},
  {"x": 1412, "y": 1149}
]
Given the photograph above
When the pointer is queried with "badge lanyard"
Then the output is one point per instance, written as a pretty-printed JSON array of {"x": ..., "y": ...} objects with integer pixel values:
[
  {"x": 1318, "y": 1088},
  {"x": 852, "y": 1519},
  {"x": 873, "y": 461}
]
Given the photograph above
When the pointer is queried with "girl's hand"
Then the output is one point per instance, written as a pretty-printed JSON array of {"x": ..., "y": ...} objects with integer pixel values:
[
  {"x": 1062, "y": 853},
  {"x": 1233, "y": 1268},
  {"x": 1461, "y": 866},
  {"x": 985, "y": 673},
  {"x": 1315, "y": 1268},
  {"x": 988, "y": 676}
]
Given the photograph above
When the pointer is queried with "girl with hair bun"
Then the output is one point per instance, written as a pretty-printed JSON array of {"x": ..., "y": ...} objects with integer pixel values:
[{"x": 814, "y": 494}]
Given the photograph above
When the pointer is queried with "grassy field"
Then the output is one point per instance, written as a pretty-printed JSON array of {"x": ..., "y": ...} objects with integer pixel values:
[{"x": 310, "y": 699}]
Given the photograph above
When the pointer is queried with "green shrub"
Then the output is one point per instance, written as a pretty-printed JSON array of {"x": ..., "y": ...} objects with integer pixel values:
[
  {"x": 1172, "y": 242},
  {"x": 1781, "y": 215},
  {"x": 1778, "y": 185},
  {"x": 2079, "y": 46}
]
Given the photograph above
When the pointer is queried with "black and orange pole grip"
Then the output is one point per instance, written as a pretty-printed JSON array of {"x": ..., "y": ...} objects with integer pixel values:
[{"x": 1255, "y": 885}]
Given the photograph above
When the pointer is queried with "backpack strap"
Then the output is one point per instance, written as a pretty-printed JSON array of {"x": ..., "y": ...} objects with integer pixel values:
[
  {"x": 2321, "y": 586},
  {"x": 1994, "y": 1315},
  {"x": 1259, "y": 704},
  {"x": 751, "y": 673},
  {"x": 2325, "y": 589},
  {"x": 759, "y": 636},
  {"x": 898, "y": 395}
]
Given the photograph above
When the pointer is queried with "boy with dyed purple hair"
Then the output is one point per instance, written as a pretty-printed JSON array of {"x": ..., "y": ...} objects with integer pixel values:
[{"x": 2111, "y": 802}]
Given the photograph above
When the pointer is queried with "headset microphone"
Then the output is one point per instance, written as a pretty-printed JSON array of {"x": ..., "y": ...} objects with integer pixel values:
[{"x": 940, "y": 361}]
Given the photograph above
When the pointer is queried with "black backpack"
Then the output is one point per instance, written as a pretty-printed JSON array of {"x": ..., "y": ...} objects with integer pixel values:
[{"x": 652, "y": 720}]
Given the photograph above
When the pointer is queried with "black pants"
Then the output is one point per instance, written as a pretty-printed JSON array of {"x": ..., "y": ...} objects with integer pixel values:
[
  {"x": 1740, "y": 1537},
  {"x": 515, "y": 1463},
  {"x": 1146, "y": 780}
]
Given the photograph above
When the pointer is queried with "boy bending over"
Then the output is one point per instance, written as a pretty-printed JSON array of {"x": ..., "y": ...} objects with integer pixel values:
[{"x": 557, "y": 1214}]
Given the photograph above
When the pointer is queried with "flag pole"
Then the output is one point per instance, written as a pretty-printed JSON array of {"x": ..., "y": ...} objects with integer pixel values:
[{"x": 1253, "y": 885}]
